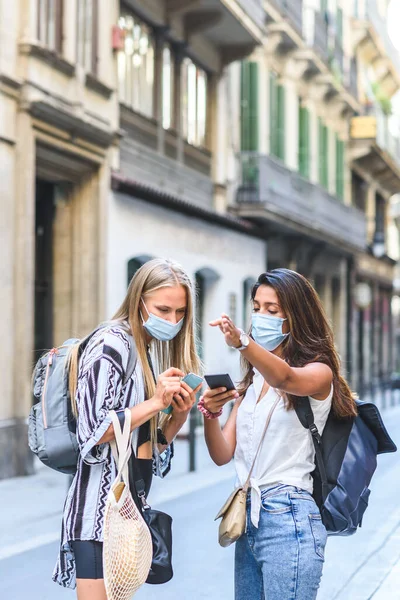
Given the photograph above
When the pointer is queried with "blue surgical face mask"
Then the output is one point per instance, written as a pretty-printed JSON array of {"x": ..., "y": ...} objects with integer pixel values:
[
  {"x": 161, "y": 329},
  {"x": 267, "y": 331}
]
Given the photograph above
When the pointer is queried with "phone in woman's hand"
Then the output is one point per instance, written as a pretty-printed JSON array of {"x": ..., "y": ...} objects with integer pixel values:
[
  {"x": 193, "y": 381},
  {"x": 219, "y": 381}
]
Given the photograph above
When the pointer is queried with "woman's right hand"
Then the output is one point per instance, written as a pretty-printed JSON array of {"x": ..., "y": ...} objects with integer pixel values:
[
  {"x": 214, "y": 400},
  {"x": 168, "y": 384}
]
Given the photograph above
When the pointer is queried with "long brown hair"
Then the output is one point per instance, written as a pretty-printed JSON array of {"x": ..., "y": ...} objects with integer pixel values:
[
  {"x": 311, "y": 336},
  {"x": 180, "y": 352}
]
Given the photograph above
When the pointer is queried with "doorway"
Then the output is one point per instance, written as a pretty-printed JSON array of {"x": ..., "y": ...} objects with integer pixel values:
[{"x": 44, "y": 220}]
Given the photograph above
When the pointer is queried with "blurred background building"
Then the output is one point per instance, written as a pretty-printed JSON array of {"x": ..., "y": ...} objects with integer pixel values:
[{"x": 230, "y": 135}]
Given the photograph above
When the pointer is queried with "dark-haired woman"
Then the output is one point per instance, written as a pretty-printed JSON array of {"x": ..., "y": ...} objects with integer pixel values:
[{"x": 290, "y": 353}]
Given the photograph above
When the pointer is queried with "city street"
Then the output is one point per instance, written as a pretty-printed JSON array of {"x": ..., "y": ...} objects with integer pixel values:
[{"x": 358, "y": 568}]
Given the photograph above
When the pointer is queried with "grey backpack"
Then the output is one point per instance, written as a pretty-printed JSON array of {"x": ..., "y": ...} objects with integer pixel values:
[{"x": 52, "y": 425}]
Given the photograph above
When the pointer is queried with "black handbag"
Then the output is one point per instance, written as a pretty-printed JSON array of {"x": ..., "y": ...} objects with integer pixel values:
[{"x": 159, "y": 523}]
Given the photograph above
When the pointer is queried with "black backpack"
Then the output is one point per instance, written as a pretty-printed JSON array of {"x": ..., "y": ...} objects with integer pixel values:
[{"x": 345, "y": 461}]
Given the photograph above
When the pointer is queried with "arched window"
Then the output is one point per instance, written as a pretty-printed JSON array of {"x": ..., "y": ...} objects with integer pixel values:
[
  {"x": 248, "y": 284},
  {"x": 205, "y": 278},
  {"x": 135, "y": 263}
]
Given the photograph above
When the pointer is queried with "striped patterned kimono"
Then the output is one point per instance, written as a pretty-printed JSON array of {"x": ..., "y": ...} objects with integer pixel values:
[{"x": 99, "y": 390}]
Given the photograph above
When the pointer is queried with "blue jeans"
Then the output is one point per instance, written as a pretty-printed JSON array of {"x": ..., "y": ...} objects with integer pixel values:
[{"x": 283, "y": 558}]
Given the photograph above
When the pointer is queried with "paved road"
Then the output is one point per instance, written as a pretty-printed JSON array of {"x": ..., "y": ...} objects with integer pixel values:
[
  {"x": 202, "y": 568},
  {"x": 362, "y": 567}
]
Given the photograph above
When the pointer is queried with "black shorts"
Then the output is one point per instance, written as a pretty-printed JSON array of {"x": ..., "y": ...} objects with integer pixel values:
[{"x": 88, "y": 559}]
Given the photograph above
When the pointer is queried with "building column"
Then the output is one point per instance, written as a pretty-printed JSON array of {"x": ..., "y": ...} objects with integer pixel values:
[
  {"x": 86, "y": 236},
  {"x": 24, "y": 281},
  {"x": 340, "y": 312},
  {"x": 327, "y": 297},
  {"x": 370, "y": 213},
  {"x": 376, "y": 343},
  {"x": 386, "y": 358},
  {"x": 217, "y": 139}
]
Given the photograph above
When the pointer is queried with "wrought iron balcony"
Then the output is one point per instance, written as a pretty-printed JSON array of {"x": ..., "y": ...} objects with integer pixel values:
[
  {"x": 290, "y": 11},
  {"x": 315, "y": 31},
  {"x": 270, "y": 192},
  {"x": 371, "y": 32},
  {"x": 255, "y": 10}
]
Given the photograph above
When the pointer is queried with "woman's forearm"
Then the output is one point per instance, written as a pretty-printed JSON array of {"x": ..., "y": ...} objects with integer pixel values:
[
  {"x": 170, "y": 429},
  {"x": 221, "y": 443},
  {"x": 274, "y": 370},
  {"x": 140, "y": 415},
  {"x": 216, "y": 443}
]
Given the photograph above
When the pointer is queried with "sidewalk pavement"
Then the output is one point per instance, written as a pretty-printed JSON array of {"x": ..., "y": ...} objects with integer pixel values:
[
  {"x": 31, "y": 507},
  {"x": 363, "y": 567}
]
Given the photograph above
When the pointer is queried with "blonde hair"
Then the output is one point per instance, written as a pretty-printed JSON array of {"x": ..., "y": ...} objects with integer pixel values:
[{"x": 180, "y": 352}]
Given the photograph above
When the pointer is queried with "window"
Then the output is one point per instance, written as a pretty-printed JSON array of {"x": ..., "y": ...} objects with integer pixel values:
[
  {"x": 136, "y": 66},
  {"x": 135, "y": 263},
  {"x": 194, "y": 103},
  {"x": 248, "y": 285},
  {"x": 277, "y": 117},
  {"x": 249, "y": 107},
  {"x": 340, "y": 162},
  {"x": 49, "y": 24},
  {"x": 304, "y": 141},
  {"x": 168, "y": 88},
  {"x": 323, "y": 153},
  {"x": 87, "y": 21}
]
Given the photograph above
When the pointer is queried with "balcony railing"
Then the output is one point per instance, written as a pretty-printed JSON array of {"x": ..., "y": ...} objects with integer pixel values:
[
  {"x": 295, "y": 202},
  {"x": 315, "y": 32},
  {"x": 292, "y": 10},
  {"x": 385, "y": 137},
  {"x": 372, "y": 14},
  {"x": 255, "y": 10},
  {"x": 351, "y": 78}
]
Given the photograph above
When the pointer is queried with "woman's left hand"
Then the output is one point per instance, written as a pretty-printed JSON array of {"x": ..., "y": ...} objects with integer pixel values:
[
  {"x": 229, "y": 329},
  {"x": 183, "y": 402}
]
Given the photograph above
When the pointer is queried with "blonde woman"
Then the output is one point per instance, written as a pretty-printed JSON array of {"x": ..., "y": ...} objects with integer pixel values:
[{"x": 158, "y": 310}]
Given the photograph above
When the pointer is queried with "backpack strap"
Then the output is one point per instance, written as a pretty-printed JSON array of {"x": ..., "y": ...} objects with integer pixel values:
[
  {"x": 132, "y": 357},
  {"x": 306, "y": 417}
]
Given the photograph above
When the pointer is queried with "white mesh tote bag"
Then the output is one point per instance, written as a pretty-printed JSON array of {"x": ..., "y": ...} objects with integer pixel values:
[{"x": 127, "y": 549}]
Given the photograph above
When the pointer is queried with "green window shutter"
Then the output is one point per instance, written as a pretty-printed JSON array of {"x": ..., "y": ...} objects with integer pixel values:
[
  {"x": 281, "y": 122},
  {"x": 304, "y": 142},
  {"x": 340, "y": 158},
  {"x": 249, "y": 107},
  {"x": 323, "y": 154},
  {"x": 273, "y": 114}
]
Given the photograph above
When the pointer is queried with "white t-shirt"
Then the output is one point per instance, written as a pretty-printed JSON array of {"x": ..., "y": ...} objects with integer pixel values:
[{"x": 287, "y": 452}]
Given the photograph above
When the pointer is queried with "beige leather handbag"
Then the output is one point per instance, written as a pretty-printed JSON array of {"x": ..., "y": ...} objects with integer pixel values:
[{"x": 233, "y": 512}]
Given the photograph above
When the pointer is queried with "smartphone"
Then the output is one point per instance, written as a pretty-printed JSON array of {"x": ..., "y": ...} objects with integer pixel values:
[
  {"x": 217, "y": 381},
  {"x": 192, "y": 381}
]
